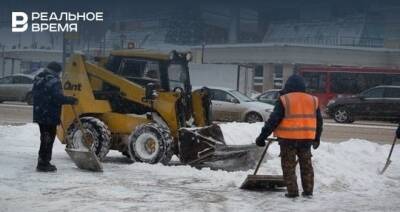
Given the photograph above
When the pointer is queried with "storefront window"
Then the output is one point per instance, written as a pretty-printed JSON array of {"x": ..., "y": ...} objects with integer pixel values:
[{"x": 278, "y": 76}]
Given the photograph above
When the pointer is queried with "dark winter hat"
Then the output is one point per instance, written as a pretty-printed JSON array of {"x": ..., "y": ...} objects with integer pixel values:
[
  {"x": 54, "y": 66},
  {"x": 295, "y": 83}
]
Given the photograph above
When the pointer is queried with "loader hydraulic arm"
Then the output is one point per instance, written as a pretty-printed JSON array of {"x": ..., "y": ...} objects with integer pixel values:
[
  {"x": 164, "y": 104},
  {"x": 129, "y": 90}
]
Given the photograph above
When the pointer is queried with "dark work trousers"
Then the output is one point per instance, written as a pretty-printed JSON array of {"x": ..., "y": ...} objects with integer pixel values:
[
  {"x": 47, "y": 136},
  {"x": 288, "y": 162}
]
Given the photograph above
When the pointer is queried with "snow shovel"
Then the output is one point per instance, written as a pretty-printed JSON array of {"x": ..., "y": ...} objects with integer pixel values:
[
  {"x": 84, "y": 158},
  {"x": 263, "y": 182},
  {"x": 388, "y": 161}
]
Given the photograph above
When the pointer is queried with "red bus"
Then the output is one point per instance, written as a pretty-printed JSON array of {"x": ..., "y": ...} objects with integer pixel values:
[{"x": 329, "y": 82}]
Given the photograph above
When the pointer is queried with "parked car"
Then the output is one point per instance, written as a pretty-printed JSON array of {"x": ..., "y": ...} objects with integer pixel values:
[
  {"x": 378, "y": 103},
  {"x": 16, "y": 87},
  {"x": 269, "y": 96},
  {"x": 231, "y": 105}
]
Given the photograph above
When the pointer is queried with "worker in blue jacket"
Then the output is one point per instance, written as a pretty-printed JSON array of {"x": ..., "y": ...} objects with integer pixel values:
[{"x": 47, "y": 101}]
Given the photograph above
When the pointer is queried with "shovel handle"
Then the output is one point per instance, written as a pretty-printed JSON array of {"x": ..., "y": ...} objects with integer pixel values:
[
  {"x": 391, "y": 149},
  {"x": 262, "y": 156},
  {"x": 80, "y": 125},
  {"x": 388, "y": 161},
  {"x": 63, "y": 131}
]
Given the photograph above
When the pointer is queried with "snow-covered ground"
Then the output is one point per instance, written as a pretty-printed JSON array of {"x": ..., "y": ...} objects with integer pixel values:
[{"x": 346, "y": 175}]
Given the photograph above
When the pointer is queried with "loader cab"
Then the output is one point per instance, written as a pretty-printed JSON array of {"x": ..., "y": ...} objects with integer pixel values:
[{"x": 166, "y": 72}]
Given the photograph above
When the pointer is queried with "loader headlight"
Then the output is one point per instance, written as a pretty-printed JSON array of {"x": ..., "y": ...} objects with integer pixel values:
[{"x": 172, "y": 55}]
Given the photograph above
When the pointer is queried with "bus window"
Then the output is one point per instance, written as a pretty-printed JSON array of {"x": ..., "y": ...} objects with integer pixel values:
[
  {"x": 346, "y": 83},
  {"x": 394, "y": 79},
  {"x": 315, "y": 82},
  {"x": 352, "y": 83}
]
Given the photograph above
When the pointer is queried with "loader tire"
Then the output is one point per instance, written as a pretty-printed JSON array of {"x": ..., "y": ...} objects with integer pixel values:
[
  {"x": 151, "y": 143},
  {"x": 97, "y": 130}
]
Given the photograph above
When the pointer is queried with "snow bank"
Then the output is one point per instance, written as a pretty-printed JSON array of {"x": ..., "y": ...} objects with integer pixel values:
[
  {"x": 241, "y": 133},
  {"x": 346, "y": 175}
]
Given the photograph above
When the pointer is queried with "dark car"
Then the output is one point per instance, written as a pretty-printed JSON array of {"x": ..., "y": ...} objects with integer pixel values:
[
  {"x": 269, "y": 96},
  {"x": 377, "y": 103}
]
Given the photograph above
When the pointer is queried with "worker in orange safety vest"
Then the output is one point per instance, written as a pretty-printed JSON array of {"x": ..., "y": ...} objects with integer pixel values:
[{"x": 297, "y": 123}]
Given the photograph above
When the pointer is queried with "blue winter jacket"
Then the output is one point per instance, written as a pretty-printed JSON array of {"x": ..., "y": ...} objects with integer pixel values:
[{"x": 48, "y": 98}]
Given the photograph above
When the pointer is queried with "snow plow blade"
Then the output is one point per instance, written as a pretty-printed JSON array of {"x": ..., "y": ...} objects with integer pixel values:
[
  {"x": 205, "y": 147},
  {"x": 84, "y": 159}
]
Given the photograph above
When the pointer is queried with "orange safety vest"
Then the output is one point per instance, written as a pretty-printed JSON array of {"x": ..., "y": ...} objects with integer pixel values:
[{"x": 300, "y": 120}]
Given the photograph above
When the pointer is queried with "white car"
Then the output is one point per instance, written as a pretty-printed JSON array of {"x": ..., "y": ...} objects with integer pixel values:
[
  {"x": 16, "y": 87},
  {"x": 231, "y": 105}
]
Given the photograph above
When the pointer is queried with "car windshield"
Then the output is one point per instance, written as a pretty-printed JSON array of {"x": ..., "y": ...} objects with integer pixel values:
[
  {"x": 241, "y": 96},
  {"x": 373, "y": 93}
]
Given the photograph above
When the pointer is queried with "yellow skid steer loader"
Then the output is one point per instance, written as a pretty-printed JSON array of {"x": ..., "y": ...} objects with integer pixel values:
[{"x": 140, "y": 102}]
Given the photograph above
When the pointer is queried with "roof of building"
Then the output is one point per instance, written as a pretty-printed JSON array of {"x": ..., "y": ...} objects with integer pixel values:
[{"x": 142, "y": 53}]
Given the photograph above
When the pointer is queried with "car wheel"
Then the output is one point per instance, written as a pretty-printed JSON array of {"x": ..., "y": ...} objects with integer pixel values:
[
  {"x": 29, "y": 99},
  {"x": 342, "y": 115},
  {"x": 253, "y": 117}
]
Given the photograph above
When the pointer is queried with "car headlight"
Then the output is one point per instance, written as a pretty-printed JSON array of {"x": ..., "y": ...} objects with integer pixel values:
[
  {"x": 332, "y": 101},
  {"x": 268, "y": 110}
]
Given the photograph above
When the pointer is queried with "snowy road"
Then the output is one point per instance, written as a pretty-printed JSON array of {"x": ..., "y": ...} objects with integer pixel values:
[
  {"x": 381, "y": 132},
  {"x": 346, "y": 180}
]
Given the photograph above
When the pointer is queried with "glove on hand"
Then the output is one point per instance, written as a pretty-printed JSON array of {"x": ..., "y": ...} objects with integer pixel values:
[
  {"x": 74, "y": 100},
  {"x": 260, "y": 141}
]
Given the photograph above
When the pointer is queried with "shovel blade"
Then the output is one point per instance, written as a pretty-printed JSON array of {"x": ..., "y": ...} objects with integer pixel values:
[
  {"x": 385, "y": 167},
  {"x": 263, "y": 182},
  {"x": 86, "y": 160}
]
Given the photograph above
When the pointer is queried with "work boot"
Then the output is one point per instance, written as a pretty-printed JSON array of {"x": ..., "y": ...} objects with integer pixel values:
[
  {"x": 45, "y": 166},
  {"x": 306, "y": 194},
  {"x": 291, "y": 195}
]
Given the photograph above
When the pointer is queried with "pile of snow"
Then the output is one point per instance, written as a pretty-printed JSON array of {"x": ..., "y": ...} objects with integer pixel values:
[
  {"x": 346, "y": 174},
  {"x": 241, "y": 133}
]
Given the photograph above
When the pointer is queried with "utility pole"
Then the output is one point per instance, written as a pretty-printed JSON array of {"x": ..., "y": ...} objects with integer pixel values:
[
  {"x": 64, "y": 54},
  {"x": 12, "y": 65},
  {"x": 88, "y": 47},
  {"x": 3, "y": 65},
  {"x": 19, "y": 40},
  {"x": 104, "y": 45},
  {"x": 122, "y": 37},
  {"x": 203, "y": 45}
]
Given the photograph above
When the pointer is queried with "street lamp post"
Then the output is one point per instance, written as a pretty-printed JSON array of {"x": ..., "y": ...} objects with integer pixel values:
[
  {"x": 3, "y": 61},
  {"x": 122, "y": 37}
]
